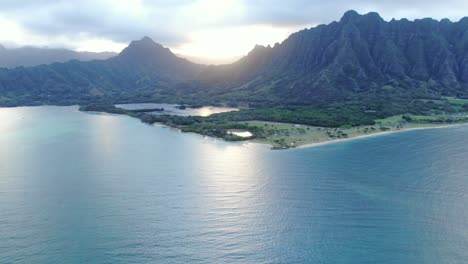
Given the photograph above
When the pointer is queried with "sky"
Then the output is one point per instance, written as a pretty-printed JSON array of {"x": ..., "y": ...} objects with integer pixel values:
[{"x": 209, "y": 31}]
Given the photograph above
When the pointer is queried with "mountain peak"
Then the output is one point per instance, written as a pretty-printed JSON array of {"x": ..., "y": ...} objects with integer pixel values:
[
  {"x": 145, "y": 42},
  {"x": 350, "y": 15},
  {"x": 258, "y": 49},
  {"x": 149, "y": 41},
  {"x": 353, "y": 16},
  {"x": 147, "y": 53},
  {"x": 146, "y": 48},
  {"x": 373, "y": 16},
  {"x": 446, "y": 21},
  {"x": 146, "y": 38},
  {"x": 463, "y": 21}
]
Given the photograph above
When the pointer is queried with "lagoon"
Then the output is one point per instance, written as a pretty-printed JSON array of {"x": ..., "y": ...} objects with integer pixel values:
[{"x": 174, "y": 109}]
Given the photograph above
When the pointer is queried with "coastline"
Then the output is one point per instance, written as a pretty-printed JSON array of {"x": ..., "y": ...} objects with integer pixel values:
[
  {"x": 306, "y": 144},
  {"x": 377, "y": 134}
]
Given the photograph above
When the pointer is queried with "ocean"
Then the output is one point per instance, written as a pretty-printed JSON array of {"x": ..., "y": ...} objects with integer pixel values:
[{"x": 96, "y": 188}]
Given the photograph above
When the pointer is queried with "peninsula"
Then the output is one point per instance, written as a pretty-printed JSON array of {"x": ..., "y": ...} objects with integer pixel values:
[
  {"x": 356, "y": 76},
  {"x": 281, "y": 135}
]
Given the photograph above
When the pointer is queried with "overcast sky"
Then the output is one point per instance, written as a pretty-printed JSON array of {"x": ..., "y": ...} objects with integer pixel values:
[{"x": 215, "y": 30}]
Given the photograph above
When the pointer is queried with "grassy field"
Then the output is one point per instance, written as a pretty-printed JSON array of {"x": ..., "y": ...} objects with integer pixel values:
[
  {"x": 283, "y": 135},
  {"x": 287, "y": 135}
]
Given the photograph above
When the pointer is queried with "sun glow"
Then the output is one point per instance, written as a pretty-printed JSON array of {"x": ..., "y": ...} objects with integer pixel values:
[
  {"x": 232, "y": 42},
  {"x": 210, "y": 31}
]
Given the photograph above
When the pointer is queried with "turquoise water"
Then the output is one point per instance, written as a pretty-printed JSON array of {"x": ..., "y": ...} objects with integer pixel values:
[{"x": 90, "y": 188}]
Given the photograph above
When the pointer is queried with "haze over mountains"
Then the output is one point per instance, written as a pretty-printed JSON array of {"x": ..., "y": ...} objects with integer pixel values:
[
  {"x": 358, "y": 59},
  {"x": 33, "y": 56}
]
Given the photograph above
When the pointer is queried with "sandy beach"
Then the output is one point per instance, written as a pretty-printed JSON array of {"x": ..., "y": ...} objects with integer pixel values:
[{"x": 376, "y": 134}]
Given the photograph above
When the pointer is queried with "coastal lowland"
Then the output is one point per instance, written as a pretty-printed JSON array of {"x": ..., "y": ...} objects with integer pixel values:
[
  {"x": 357, "y": 76},
  {"x": 284, "y": 128}
]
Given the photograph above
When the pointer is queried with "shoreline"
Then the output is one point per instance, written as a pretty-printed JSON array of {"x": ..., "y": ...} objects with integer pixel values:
[
  {"x": 300, "y": 145},
  {"x": 305, "y": 145},
  {"x": 306, "y": 142},
  {"x": 377, "y": 134}
]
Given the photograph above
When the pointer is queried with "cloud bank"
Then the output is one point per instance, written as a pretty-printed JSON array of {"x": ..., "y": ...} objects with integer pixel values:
[{"x": 110, "y": 24}]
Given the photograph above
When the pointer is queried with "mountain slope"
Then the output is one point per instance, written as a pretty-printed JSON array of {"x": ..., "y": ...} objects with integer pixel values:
[
  {"x": 143, "y": 67},
  {"x": 360, "y": 60},
  {"x": 360, "y": 54},
  {"x": 31, "y": 56}
]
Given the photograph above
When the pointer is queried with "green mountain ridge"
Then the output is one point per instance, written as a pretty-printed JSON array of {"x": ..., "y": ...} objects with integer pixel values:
[
  {"x": 359, "y": 54},
  {"x": 360, "y": 60}
]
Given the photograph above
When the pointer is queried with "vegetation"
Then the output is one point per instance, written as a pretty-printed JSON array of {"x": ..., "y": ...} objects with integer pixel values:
[
  {"x": 345, "y": 77},
  {"x": 287, "y": 128},
  {"x": 351, "y": 65},
  {"x": 196, "y": 124},
  {"x": 283, "y": 135}
]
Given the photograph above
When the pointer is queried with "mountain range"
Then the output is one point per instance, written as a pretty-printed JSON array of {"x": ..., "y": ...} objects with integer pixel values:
[
  {"x": 359, "y": 60},
  {"x": 360, "y": 54},
  {"x": 34, "y": 56}
]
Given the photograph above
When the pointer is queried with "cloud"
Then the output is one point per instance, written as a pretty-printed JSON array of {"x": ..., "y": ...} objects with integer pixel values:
[
  {"x": 318, "y": 11},
  {"x": 175, "y": 22},
  {"x": 228, "y": 43},
  {"x": 119, "y": 20}
]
